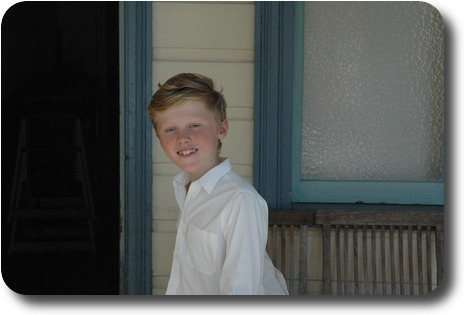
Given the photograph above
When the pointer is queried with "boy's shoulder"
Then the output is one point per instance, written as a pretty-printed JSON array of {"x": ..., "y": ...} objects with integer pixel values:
[
  {"x": 224, "y": 183},
  {"x": 238, "y": 185},
  {"x": 240, "y": 195}
]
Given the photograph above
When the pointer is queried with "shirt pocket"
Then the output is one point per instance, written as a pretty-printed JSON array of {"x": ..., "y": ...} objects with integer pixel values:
[{"x": 201, "y": 250}]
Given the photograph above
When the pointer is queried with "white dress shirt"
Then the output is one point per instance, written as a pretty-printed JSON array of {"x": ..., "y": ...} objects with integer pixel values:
[{"x": 221, "y": 238}]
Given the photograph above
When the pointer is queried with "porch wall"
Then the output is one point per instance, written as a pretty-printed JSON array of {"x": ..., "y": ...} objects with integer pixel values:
[{"x": 215, "y": 39}]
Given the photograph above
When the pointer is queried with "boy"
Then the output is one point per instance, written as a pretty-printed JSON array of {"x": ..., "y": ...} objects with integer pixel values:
[{"x": 222, "y": 226}]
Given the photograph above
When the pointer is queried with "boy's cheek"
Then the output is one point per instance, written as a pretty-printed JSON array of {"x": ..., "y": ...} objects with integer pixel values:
[
  {"x": 162, "y": 143},
  {"x": 165, "y": 144}
]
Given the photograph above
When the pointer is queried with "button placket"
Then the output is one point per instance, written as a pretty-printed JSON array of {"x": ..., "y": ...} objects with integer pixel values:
[
  {"x": 192, "y": 193},
  {"x": 185, "y": 213}
]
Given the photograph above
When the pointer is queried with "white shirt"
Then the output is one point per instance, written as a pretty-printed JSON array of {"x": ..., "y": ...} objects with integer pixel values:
[{"x": 221, "y": 238}]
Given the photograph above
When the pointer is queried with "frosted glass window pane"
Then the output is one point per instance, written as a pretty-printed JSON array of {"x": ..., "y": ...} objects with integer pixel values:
[{"x": 373, "y": 91}]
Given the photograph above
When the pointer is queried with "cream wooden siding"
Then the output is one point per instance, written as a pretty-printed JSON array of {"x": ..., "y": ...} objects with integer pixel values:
[{"x": 215, "y": 39}]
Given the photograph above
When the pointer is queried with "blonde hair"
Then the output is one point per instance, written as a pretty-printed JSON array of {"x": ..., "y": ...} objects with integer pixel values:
[{"x": 188, "y": 87}]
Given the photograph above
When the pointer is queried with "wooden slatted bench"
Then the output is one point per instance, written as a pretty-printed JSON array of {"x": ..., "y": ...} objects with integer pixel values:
[{"x": 358, "y": 252}]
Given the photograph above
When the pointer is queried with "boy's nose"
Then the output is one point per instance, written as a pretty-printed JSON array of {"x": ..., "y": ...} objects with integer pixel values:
[{"x": 183, "y": 137}]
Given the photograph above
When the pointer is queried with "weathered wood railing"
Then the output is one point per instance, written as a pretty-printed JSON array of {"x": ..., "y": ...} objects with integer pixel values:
[{"x": 353, "y": 252}]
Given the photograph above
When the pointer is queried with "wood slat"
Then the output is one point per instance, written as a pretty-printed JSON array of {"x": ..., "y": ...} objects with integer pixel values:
[
  {"x": 326, "y": 265},
  {"x": 393, "y": 261},
  {"x": 411, "y": 261},
  {"x": 355, "y": 260},
  {"x": 338, "y": 260},
  {"x": 429, "y": 258},
  {"x": 374, "y": 261},
  {"x": 345, "y": 259},
  {"x": 383, "y": 259},
  {"x": 283, "y": 247},
  {"x": 419, "y": 258},
  {"x": 274, "y": 243},
  {"x": 439, "y": 239},
  {"x": 292, "y": 258},
  {"x": 364, "y": 264},
  {"x": 303, "y": 272},
  {"x": 401, "y": 257}
]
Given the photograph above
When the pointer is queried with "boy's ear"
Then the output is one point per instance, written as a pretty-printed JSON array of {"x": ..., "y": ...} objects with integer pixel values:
[{"x": 223, "y": 129}]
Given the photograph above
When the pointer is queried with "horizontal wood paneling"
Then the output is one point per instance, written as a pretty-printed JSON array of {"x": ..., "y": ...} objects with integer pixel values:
[{"x": 215, "y": 39}]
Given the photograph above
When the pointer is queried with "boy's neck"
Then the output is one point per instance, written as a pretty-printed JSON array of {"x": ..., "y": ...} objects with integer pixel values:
[{"x": 194, "y": 177}]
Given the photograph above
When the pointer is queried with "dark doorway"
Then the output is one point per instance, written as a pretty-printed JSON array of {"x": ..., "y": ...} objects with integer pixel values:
[{"x": 60, "y": 91}]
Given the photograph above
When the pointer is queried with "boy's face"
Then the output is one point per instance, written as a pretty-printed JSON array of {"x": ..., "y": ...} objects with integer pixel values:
[{"x": 189, "y": 136}]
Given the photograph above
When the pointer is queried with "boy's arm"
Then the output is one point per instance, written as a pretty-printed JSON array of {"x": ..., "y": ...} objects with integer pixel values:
[{"x": 246, "y": 237}]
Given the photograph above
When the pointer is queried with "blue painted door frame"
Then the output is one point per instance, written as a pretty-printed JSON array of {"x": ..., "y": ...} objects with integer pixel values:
[
  {"x": 273, "y": 102},
  {"x": 136, "y": 148}
]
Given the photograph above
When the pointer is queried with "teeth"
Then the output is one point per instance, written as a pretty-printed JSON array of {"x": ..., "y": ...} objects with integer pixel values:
[{"x": 187, "y": 152}]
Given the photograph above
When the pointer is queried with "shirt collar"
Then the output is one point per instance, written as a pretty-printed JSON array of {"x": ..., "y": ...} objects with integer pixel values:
[{"x": 209, "y": 180}]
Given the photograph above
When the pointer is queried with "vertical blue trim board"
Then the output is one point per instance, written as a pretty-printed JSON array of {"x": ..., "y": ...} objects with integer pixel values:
[
  {"x": 136, "y": 231},
  {"x": 273, "y": 104},
  {"x": 297, "y": 99}
]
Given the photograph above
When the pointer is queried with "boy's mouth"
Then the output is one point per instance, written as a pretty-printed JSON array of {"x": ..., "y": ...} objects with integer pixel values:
[{"x": 187, "y": 152}]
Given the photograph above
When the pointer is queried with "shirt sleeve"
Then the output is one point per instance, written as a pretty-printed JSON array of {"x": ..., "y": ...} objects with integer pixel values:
[{"x": 246, "y": 237}]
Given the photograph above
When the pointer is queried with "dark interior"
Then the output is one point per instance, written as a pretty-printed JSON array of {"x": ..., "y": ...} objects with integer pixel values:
[{"x": 60, "y": 106}]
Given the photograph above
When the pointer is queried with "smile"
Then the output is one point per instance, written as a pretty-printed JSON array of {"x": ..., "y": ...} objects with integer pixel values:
[{"x": 187, "y": 152}]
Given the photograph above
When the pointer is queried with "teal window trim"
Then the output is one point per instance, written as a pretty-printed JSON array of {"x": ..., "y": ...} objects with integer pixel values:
[
  {"x": 372, "y": 192},
  {"x": 277, "y": 166},
  {"x": 298, "y": 192},
  {"x": 136, "y": 149},
  {"x": 273, "y": 103}
]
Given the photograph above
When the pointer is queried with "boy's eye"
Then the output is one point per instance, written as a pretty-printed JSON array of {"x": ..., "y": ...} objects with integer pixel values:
[
  {"x": 170, "y": 129},
  {"x": 194, "y": 125}
]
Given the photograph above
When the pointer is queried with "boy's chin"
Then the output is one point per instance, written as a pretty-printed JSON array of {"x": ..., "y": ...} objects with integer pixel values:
[{"x": 187, "y": 167}]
